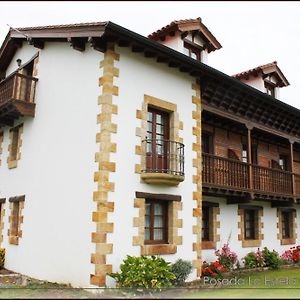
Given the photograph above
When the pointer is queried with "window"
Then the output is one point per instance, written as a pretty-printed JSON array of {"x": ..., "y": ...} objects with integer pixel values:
[
  {"x": 207, "y": 143},
  {"x": 253, "y": 154},
  {"x": 156, "y": 222},
  {"x": 270, "y": 89},
  {"x": 287, "y": 225},
  {"x": 193, "y": 50},
  {"x": 14, "y": 147},
  {"x": 250, "y": 224},
  {"x": 286, "y": 218},
  {"x": 14, "y": 144},
  {"x": 210, "y": 224},
  {"x": 15, "y": 219},
  {"x": 205, "y": 223},
  {"x": 157, "y": 140},
  {"x": 283, "y": 162}
]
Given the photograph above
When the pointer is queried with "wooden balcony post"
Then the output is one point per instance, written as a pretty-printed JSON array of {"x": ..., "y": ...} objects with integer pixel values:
[
  {"x": 292, "y": 166},
  {"x": 249, "y": 154}
]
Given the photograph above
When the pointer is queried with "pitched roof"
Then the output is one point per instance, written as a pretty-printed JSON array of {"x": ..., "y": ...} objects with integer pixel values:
[
  {"x": 184, "y": 26},
  {"x": 100, "y": 34},
  {"x": 264, "y": 69}
]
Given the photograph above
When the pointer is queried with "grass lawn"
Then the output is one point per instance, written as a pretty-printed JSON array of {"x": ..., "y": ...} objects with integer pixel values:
[{"x": 283, "y": 283}]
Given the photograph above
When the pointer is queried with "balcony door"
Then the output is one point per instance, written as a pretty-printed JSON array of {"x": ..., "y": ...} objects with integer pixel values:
[{"x": 157, "y": 157}]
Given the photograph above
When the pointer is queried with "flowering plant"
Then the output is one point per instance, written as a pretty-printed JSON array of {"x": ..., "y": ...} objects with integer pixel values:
[
  {"x": 213, "y": 269},
  {"x": 226, "y": 257},
  {"x": 292, "y": 255},
  {"x": 254, "y": 259}
]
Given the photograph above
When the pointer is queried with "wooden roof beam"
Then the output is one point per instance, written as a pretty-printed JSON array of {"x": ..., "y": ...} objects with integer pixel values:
[
  {"x": 77, "y": 43},
  {"x": 37, "y": 43}
]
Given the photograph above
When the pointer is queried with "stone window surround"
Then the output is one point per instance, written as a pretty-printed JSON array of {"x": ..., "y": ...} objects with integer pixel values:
[
  {"x": 14, "y": 239},
  {"x": 12, "y": 163},
  {"x": 293, "y": 225},
  {"x": 258, "y": 227},
  {"x": 174, "y": 223},
  {"x": 2, "y": 213},
  {"x": 214, "y": 212},
  {"x": 175, "y": 126}
]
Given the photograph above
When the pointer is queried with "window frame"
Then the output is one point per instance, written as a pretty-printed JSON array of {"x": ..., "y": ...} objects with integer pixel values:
[
  {"x": 193, "y": 48},
  {"x": 270, "y": 89},
  {"x": 210, "y": 142},
  {"x": 151, "y": 227},
  {"x": 206, "y": 212},
  {"x": 253, "y": 213}
]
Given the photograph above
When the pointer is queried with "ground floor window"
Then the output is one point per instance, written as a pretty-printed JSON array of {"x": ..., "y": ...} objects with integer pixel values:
[
  {"x": 250, "y": 225},
  {"x": 210, "y": 224},
  {"x": 286, "y": 225},
  {"x": 156, "y": 222},
  {"x": 16, "y": 219}
]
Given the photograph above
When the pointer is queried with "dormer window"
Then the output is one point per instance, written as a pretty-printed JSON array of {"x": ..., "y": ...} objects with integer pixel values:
[
  {"x": 193, "y": 50},
  {"x": 270, "y": 89}
]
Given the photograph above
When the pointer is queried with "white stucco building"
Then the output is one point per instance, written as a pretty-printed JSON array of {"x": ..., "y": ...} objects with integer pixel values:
[{"x": 115, "y": 144}]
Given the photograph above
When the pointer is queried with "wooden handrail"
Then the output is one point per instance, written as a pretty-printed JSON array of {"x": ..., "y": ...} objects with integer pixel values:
[
  {"x": 226, "y": 172},
  {"x": 17, "y": 87}
]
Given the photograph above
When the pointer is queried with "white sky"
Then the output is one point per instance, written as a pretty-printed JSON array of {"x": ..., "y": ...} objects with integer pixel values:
[{"x": 251, "y": 33}]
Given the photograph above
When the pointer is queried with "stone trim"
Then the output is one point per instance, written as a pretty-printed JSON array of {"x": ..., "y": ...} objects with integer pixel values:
[
  {"x": 1, "y": 143},
  {"x": 175, "y": 126},
  {"x": 293, "y": 226},
  {"x": 197, "y": 178},
  {"x": 2, "y": 213},
  {"x": 14, "y": 239},
  {"x": 105, "y": 166},
  {"x": 13, "y": 161},
  {"x": 258, "y": 228},
  {"x": 214, "y": 212},
  {"x": 174, "y": 223}
]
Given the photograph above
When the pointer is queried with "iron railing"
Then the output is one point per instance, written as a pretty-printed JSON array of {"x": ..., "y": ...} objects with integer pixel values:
[{"x": 163, "y": 156}]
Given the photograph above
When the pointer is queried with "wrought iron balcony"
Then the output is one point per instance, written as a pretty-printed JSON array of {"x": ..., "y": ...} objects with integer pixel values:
[
  {"x": 16, "y": 98},
  {"x": 163, "y": 161}
]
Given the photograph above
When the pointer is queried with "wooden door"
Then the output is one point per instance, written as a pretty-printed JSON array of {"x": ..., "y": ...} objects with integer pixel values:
[{"x": 158, "y": 145}]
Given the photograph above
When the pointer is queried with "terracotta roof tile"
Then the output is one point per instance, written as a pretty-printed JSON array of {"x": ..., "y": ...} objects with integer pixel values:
[
  {"x": 62, "y": 26},
  {"x": 175, "y": 25},
  {"x": 260, "y": 69}
]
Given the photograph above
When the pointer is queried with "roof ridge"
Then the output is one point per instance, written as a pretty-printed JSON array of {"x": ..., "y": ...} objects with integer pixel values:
[{"x": 62, "y": 25}]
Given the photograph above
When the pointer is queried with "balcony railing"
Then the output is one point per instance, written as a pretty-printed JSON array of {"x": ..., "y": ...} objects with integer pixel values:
[
  {"x": 163, "y": 156},
  {"x": 233, "y": 174},
  {"x": 17, "y": 92},
  {"x": 17, "y": 87},
  {"x": 225, "y": 172}
]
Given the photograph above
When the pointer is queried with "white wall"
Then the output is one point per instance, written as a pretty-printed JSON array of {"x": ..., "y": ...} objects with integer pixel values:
[
  {"x": 139, "y": 76},
  {"x": 176, "y": 43},
  {"x": 229, "y": 230},
  {"x": 56, "y": 168}
]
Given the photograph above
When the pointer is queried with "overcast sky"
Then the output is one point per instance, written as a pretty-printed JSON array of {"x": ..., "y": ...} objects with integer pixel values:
[{"x": 251, "y": 33}]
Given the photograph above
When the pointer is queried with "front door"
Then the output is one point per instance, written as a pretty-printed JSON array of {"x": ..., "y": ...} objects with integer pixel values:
[{"x": 158, "y": 145}]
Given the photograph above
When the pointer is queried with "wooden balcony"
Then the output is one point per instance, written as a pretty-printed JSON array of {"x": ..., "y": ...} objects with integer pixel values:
[
  {"x": 16, "y": 98},
  {"x": 225, "y": 176}
]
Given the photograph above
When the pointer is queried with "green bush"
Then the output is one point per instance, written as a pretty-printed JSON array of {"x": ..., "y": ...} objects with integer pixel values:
[
  {"x": 250, "y": 260},
  {"x": 182, "y": 269},
  {"x": 2, "y": 258},
  {"x": 144, "y": 272},
  {"x": 272, "y": 258}
]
